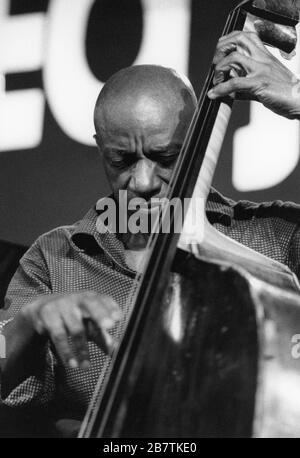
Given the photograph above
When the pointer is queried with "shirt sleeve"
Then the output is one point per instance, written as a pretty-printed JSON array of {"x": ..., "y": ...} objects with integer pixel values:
[
  {"x": 294, "y": 252},
  {"x": 31, "y": 280}
]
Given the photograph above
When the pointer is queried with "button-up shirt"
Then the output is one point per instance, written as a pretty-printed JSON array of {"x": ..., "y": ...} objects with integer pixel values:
[{"x": 78, "y": 257}]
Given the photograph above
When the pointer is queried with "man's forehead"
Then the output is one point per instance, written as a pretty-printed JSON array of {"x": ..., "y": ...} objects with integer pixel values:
[
  {"x": 130, "y": 138},
  {"x": 143, "y": 108},
  {"x": 143, "y": 115}
]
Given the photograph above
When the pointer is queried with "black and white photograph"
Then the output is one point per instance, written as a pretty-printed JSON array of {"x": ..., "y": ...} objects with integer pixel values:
[{"x": 149, "y": 222}]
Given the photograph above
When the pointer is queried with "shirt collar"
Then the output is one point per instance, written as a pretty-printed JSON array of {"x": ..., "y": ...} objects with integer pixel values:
[{"x": 87, "y": 239}]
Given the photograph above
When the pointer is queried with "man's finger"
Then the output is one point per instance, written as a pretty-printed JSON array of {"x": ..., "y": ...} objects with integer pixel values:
[
  {"x": 100, "y": 336},
  {"x": 223, "y": 51},
  {"x": 246, "y": 43},
  {"x": 99, "y": 307},
  {"x": 73, "y": 322},
  {"x": 54, "y": 325},
  {"x": 104, "y": 313},
  {"x": 235, "y": 61},
  {"x": 246, "y": 38},
  {"x": 232, "y": 86}
]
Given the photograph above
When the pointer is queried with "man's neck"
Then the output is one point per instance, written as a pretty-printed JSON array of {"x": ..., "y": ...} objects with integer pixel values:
[
  {"x": 135, "y": 242},
  {"x": 136, "y": 249}
]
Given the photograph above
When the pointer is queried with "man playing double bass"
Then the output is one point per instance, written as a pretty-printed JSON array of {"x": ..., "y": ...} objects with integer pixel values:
[{"x": 70, "y": 289}]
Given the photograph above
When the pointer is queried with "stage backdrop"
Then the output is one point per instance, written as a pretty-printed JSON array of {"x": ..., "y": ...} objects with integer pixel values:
[{"x": 55, "y": 56}]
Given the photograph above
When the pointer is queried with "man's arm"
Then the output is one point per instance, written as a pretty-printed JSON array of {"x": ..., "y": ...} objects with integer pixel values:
[
  {"x": 25, "y": 349},
  {"x": 67, "y": 320}
]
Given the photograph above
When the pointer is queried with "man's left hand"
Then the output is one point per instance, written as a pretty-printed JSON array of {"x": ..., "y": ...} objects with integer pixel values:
[{"x": 245, "y": 69}]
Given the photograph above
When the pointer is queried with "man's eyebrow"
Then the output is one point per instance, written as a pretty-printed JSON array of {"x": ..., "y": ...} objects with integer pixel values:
[
  {"x": 116, "y": 150},
  {"x": 172, "y": 147},
  {"x": 169, "y": 147}
]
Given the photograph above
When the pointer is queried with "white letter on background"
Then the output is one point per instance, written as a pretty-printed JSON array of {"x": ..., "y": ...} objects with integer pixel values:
[
  {"x": 71, "y": 87},
  {"x": 21, "y": 50},
  {"x": 166, "y": 34}
]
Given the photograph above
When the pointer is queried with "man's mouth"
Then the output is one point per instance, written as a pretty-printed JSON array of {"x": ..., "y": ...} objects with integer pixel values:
[{"x": 152, "y": 206}]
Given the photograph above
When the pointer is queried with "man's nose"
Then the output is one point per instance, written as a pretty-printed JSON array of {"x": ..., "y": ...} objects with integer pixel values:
[{"x": 144, "y": 181}]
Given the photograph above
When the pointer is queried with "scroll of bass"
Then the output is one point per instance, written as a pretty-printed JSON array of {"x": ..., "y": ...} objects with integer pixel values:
[{"x": 207, "y": 347}]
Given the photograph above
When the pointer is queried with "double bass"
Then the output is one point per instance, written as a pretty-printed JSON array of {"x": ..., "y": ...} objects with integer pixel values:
[{"x": 205, "y": 349}]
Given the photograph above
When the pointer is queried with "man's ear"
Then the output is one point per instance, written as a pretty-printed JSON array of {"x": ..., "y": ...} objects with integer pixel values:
[{"x": 97, "y": 140}]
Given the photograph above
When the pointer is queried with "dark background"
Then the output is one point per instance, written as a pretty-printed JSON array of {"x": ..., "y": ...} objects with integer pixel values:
[{"x": 58, "y": 181}]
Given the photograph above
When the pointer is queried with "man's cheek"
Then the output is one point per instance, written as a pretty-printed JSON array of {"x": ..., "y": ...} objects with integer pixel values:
[
  {"x": 119, "y": 182},
  {"x": 112, "y": 174},
  {"x": 166, "y": 174}
]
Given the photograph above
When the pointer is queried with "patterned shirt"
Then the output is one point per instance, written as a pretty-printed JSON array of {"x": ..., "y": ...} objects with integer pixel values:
[{"x": 78, "y": 257}]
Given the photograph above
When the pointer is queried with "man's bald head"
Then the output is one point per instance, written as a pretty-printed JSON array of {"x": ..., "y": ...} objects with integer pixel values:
[{"x": 143, "y": 86}]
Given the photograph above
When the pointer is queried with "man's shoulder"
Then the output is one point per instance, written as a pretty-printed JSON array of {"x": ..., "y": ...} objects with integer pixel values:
[
  {"x": 58, "y": 233},
  {"x": 62, "y": 236},
  {"x": 288, "y": 211},
  {"x": 52, "y": 243},
  {"x": 247, "y": 210}
]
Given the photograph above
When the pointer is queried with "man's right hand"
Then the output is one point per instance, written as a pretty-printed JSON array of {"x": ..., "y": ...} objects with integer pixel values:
[{"x": 71, "y": 320}]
